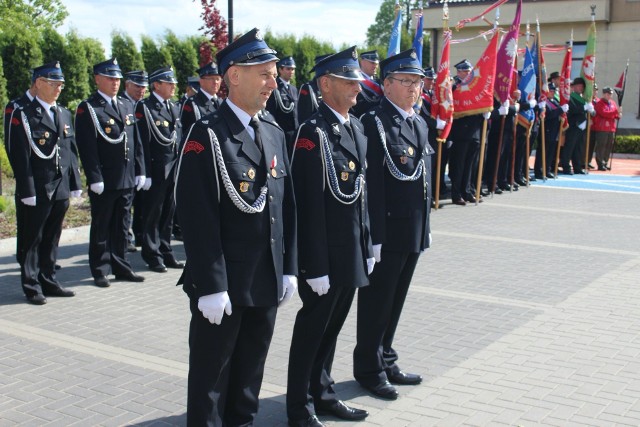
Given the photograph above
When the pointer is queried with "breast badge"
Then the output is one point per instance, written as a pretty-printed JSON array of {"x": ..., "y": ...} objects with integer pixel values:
[
  {"x": 251, "y": 173},
  {"x": 344, "y": 176},
  {"x": 244, "y": 187}
]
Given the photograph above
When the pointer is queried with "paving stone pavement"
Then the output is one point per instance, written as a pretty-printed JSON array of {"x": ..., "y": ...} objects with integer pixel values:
[{"x": 525, "y": 312}]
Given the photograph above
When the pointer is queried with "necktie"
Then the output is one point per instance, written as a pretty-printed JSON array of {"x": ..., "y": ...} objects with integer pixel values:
[
  {"x": 54, "y": 113},
  {"x": 347, "y": 126},
  {"x": 411, "y": 126},
  {"x": 114, "y": 104},
  {"x": 168, "y": 106},
  {"x": 255, "y": 124}
]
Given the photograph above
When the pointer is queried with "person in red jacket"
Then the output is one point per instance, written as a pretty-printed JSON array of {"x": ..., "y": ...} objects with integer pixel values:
[{"x": 604, "y": 126}]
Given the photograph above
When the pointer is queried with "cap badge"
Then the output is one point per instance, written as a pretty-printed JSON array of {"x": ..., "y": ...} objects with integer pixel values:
[
  {"x": 354, "y": 54},
  {"x": 413, "y": 55},
  {"x": 115, "y": 61},
  {"x": 258, "y": 35}
]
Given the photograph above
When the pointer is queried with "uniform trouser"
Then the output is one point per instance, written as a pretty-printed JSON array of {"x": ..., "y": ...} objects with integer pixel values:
[
  {"x": 313, "y": 346},
  {"x": 463, "y": 155},
  {"x": 550, "y": 145},
  {"x": 137, "y": 220},
  {"x": 19, "y": 220},
  {"x": 159, "y": 206},
  {"x": 521, "y": 169},
  {"x": 604, "y": 143},
  {"x": 226, "y": 365},
  {"x": 573, "y": 149},
  {"x": 504, "y": 166},
  {"x": 379, "y": 308},
  {"x": 39, "y": 236},
  {"x": 108, "y": 233}
]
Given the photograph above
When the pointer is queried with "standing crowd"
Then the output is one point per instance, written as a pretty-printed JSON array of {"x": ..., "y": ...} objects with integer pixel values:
[{"x": 329, "y": 185}]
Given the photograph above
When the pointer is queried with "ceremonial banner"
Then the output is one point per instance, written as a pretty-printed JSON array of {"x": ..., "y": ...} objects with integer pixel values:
[
  {"x": 565, "y": 77},
  {"x": 588, "y": 71},
  {"x": 442, "y": 105},
  {"x": 417, "y": 40},
  {"x": 394, "y": 40},
  {"x": 620, "y": 86},
  {"x": 527, "y": 88},
  {"x": 507, "y": 54},
  {"x": 542, "y": 88},
  {"x": 475, "y": 94},
  {"x": 463, "y": 22}
]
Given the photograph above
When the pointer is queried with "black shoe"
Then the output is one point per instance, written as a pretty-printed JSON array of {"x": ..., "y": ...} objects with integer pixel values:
[
  {"x": 37, "y": 299},
  {"x": 521, "y": 181},
  {"x": 404, "y": 378},
  {"x": 342, "y": 411},
  {"x": 158, "y": 268},
  {"x": 550, "y": 175},
  {"x": 173, "y": 263},
  {"x": 484, "y": 193},
  {"x": 590, "y": 166},
  {"x": 312, "y": 421},
  {"x": 498, "y": 190},
  {"x": 102, "y": 282},
  {"x": 57, "y": 267},
  {"x": 459, "y": 202},
  {"x": 566, "y": 171},
  {"x": 130, "y": 277},
  {"x": 538, "y": 176},
  {"x": 383, "y": 390},
  {"x": 582, "y": 172},
  {"x": 58, "y": 291},
  {"x": 131, "y": 248},
  {"x": 177, "y": 236},
  {"x": 607, "y": 167}
]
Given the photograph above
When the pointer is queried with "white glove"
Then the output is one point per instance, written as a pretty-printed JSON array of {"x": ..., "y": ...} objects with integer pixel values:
[
  {"x": 516, "y": 106},
  {"x": 320, "y": 285},
  {"x": 588, "y": 107},
  {"x": 97, "y": 188},
  {"x": 140, "y": 182},
  {"x": 503, "y": 111},
  {"x": 214, "y": 306},
  {"x": 29, "y": 201},
  {"x": 147, "y": 184},
  {"x": 583, "y": 125},
  {"x": 440, "y": 124},
  {"x": 76, "y": 193},
  {"x": 564, "y": 107},
  {"x": 486, "y": 115},
  {"x": 290, "y": 287},
  {"x": 533, "y": 103},
  {"x": 542, "y": 105},
  {"x": 371, "y": 262},
  {"x": 377, "y": 249},
  {"x": 430, "y": 240}
]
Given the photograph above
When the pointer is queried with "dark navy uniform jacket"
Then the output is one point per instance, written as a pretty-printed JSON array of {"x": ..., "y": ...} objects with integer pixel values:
[
  {"x": 289, "y": 95},
  {"x": 116, "y": 165},
  {"x": 333, "y": 237},
  {"x": 160, "y": 157},
  {"x": 52, "y": 178},
  {"x": 245, "y": 254},
  {"x": 202, "y": 104},
  {"x": 309, "y": 98},
  {"x": 399, "y": 210}
]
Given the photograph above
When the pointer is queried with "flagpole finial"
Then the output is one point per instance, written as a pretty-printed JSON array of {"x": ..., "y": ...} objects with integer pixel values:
[
  {"x": 445, "y": 15},
  {"x": 593, "y": 12}
]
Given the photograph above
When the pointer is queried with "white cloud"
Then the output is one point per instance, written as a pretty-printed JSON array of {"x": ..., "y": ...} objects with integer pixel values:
[{"x": 336, "y": 22}]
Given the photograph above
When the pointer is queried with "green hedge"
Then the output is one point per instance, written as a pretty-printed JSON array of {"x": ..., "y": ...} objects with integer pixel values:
[{"x": 627, "y": 144}]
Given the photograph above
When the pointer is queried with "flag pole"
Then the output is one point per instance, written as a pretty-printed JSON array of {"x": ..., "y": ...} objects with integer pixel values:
[
  {"x": 561, "y": 136},
  {"x": 588, "y": 136},
  {"x": 620, "y": 97},
  {"x": 494, "y": 180},
  {"x": 445, "y": 28},
  {"x": 542, "y": 138}
]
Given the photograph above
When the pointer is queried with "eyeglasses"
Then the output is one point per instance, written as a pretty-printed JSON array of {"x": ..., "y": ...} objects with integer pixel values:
[
  {"x": 54, "y": 84},
  {"x": 408, "y": 83}
]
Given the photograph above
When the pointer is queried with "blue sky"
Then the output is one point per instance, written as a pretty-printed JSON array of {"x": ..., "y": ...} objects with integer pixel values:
[{"x": 333, "y": 21}]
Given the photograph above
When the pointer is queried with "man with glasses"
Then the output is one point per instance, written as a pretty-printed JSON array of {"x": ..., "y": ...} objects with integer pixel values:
[
  {"x": 335, "y": 250},
  {"x": 283, "y": 103},
  {"x": 112, "y": 160},
  {"x": 158, "y": 121},
  {"x": 47, "y": 174},
  {"x": 399, "y": 197}
]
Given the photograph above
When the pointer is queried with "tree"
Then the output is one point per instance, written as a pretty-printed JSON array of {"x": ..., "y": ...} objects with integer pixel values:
[
  {"x": 184, "y": 56},
  {"x": 125, "y": 50},
  {"x": 21, "y": 49},
  {"x": 379, "y": 33},
  {"x": 153, "y": 56},
  {"x": 94, "y": 52},
  {"x": 52, "y": 46},
  {"x": 215, "y": 30},
  {"x": 32, "y": 14},
  {"x": 78, "y": 71},
  {"x": 307, "y": 48}
]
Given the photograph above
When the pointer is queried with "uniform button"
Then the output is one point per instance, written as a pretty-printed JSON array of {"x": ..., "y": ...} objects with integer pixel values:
[
  {"x": 273, "y": 241},
  {"x": 271, "y": 198},
  {"x": 273, "y": 220}
]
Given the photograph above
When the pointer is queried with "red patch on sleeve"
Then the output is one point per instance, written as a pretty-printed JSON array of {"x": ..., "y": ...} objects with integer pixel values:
[
  {"x": 187, "y": 107},
  {"x": 80, "y": 111},
  {"x": 138, "y": 115},
  {"x": 307, "y": 144},
  {"x": 15, "y": 121},
  {"x": 8, "y": 110},
  {"x": 304, "y": 92},
  {"x": 192, "y": 146}
]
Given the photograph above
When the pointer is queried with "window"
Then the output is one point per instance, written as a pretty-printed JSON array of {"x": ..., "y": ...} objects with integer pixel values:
[{"x": 577, "y": 55}]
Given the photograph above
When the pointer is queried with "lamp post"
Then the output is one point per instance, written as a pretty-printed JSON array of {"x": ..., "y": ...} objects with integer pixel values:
[{"x": 230, "y": 21}]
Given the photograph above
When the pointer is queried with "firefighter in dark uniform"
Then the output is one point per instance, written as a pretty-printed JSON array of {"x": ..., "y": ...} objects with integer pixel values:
[
  {"x": 283, "y": 103},
  {"x": 9, "y": 111},
  {"x": 552, "y": 112},
  {"x": 158, "y": 121},
  {"x": 574, "y": 145},
  {"x": 334, "y": 241},
  {"x": 46, "y": 171},
  {"x": 136, "y": 83},
  {"x": 399, "y": 196},
  {"x": 112, "y": 160},
  {"x": 309, "y": 96},
  {"x": 371, "y": 92},
  {"x": 236, "y": 205},
  {"x": 205, "y": 101}
]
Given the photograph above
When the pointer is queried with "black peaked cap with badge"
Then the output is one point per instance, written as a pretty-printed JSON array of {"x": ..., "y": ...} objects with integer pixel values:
[
  {"x": 343, "y": 64},
  {"x": 371, "y": 55},
  {"x": 139, "y": 77},
  {"x": 404, "y": 62},
  {"x": 50, "y": 71},
  {"x": 108, "y": 68},
  {"x": 210, "y": 69},
  {"x": 463, "y": 65},
  {"x": 163, "y": 74},
  {"x": 249, "y": 49}
]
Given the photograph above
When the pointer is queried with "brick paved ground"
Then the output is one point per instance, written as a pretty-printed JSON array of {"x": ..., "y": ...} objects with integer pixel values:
[{"x": 525, "y": 312}]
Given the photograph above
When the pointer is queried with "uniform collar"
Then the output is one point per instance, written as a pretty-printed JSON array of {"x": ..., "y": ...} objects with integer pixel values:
[
  {"x": 342, "y": 120},
  {"x": 108, "y": 98},
  {"x": 44, "y": 104},
  {"x": 403, "y": 113},
  {"x": 241, "y": 114}
]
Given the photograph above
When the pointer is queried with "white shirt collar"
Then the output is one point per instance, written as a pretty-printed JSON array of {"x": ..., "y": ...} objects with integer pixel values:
[
  {"x": 45, "y": 105},
  {"x": 31, "y": 97},
  {"x": 161, "y": 99},
  {"x": 342, "y": 119},
  {"x": 108, "y": 98},
  {"x": 403, "y": 113},
  {"x": 207, "y": 94}
]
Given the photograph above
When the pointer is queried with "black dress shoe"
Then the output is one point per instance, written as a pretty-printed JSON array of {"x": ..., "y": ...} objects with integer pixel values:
[
  {"x": 312, "y": 421},
  {"x": 538, "y": 176},
  {"x": 550, "y": 175},
  {"x": 521, "y": 181},
  {"x": 404, "y": 378},
  {"x": 590, "y": 166},
  {"x": 37, "y": 299},
  {"x": 130, "y": 277},
  {"x": 131, "y": 248},
  {"x": 498, "y": 190},
  {"x": 460, "y": 202},
  {"x": 472, "y": 199},
  {"x": 484, "y": 193},
  {"x": 58, "y": 292},
  {"x": 342, "y": 411},
  {"x": 172, "y": 263},
  {"x": 383, "y": 390},
  {"x": 582, "y": 172},
  {"x": 158, "y": 268},
  {"x": 102, "y": 282},
  {"x": 57, "y": 267}
]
